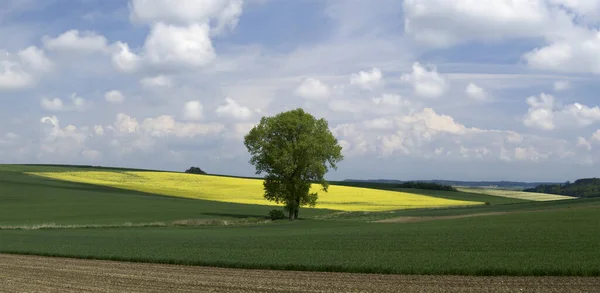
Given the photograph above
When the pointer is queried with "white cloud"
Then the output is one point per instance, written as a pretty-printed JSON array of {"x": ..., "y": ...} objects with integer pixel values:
[
  {"x": 224, "y": 13},
  {"x": 540, "y": 114},
  {"x": 125, "y": 60},
  {"x": 582, "y": 142},
  {"x": 379, "y": 123},
  {"x": 13, "y": 77},
  {"x": 583, "y": 114},
  {"x": 58, "y": 141},
  {"x": 367, "y": 79},
  {"x": 314, "y": 89},
  {"x": 157, "y": 81},
  {"x": 544, "y": 113},
  {"x": 125, "y": 123},
  {"x": 114, "y": 97},
  {"x": 77, "y": 104},
  {"x": 193, "y": 110},
  {"x": 444, "y": 23},
  {"x": 36, "y": 59},
  {"x": 55, "y": 104},
  {"x": 73, "y": 40},
  {"x": 99, "y": 130},
  {"x": 476, "y": 93},
  {"x": 426, "y": 83},
  {"x": 596, "y": 136},
  {"x": 561, "y": 85},
  {"x": 169, "y": 45},
  {"x": 575, "y": 54},
  {"x": 234, "y": 110},
  {"x": 166, "y": 125}
]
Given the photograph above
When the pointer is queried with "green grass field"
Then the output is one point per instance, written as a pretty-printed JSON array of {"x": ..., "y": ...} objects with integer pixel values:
[{"x": 531, "y": 238}]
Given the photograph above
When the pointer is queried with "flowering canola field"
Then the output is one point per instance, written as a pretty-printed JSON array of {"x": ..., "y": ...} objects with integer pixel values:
[{"x": 250, "y": 191}]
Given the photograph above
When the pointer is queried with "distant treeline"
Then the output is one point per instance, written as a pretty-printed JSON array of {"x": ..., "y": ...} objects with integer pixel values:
[
  {"x": 425, "y": 185},
  {"x": 498, "y": 184},
  {"x": 586, "y": 187}
]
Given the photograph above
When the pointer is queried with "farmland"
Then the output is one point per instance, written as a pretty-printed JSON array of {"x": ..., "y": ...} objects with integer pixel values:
[
  {"x": 44, "y": 216},
  {"x": 534, "y": 196},
  {"x": 249, "y": 191}
]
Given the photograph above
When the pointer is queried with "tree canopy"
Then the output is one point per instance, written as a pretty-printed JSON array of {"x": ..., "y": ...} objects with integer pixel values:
[
  {"x": 585, "y": 187},
  {"x": 195, "y": 170},
  {"x": 294, "y": 149}
]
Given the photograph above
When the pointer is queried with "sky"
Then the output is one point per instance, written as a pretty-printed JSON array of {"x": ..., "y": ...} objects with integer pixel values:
[{"x": 413, "y": 89}]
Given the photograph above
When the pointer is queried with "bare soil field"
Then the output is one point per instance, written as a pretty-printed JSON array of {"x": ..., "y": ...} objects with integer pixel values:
[{"x": 20, "y": 273}]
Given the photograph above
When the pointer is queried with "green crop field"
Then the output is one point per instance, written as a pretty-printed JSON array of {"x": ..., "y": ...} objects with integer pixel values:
[{"x": 504, "y": 237}]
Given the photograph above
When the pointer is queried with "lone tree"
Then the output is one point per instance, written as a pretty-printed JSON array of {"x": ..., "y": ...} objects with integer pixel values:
[{"x": 294, "y": 149}]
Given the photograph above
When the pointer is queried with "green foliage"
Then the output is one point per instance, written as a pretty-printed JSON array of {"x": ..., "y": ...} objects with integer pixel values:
[
  {"x": 276, "y": 214},
  {"x": 294, "y": 149},
  {"x": 586, "y": 187},
  {"x": 195, "y": 170},
  {"x": 426, "y": 185}
]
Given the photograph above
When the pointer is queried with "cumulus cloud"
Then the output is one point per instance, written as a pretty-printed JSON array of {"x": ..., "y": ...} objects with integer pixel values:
[
  {"x": 566, "y": 25},
  {"x": 23, "y": 69},
  {"x": 313, "y": 89},
  {"x": 544, "y": 113},
  {"x": 193, "y": 110},
  {"x": 36, "y": 59},
  {"x": 426, "y": 134},
  {"x": 123, "y": 59},
  {"x": 367, "y": 79},
  {"x": 12, "y": 76},
  {"x": 476, "y": 93},
  {"x": 444, "y": 23},
  {"x": 582, "y": 142},
  {"x": 180, "y": 33},
  {"x": 576, "y": 54},
  {"x": 56, "y": 104},
  {"x": 224, "y": 13},
  {"x": 540, "y": 113},
  {"x": 169, "y": 45},
  {"x": 59, "y": 141},
  {"x": 114, "y": 97},
  {"x": 233, "y": 109},
  {"x": 157, "y": 81},
  {"x": 426, "y": 82},
  {"x": 73, "y": 40}
]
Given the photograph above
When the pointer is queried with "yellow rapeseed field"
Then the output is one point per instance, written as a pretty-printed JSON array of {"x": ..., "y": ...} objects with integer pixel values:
[
  {"x": 533, "y": 196},
  {"x": 250, "y": 191}
]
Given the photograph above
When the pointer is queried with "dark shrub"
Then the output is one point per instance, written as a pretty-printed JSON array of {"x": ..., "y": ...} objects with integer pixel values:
[
  {"x": 195, "y": 170},
  {"x": 276, "y": 214}
]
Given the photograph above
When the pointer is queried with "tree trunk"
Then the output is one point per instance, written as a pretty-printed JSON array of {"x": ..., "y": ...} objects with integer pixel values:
[{"x": 296, "y": 213}]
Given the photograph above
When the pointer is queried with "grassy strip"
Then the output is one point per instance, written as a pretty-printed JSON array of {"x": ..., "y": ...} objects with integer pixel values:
[
  {"x": 177, "y": 223},
  {"x": 543, "y": 243}
]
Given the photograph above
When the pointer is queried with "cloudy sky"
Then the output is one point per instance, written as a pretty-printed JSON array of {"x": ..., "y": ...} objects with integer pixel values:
[{"x": 414, "y": 89}]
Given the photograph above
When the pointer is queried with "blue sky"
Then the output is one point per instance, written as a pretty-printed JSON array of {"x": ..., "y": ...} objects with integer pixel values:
[{"x": 414, "y": 89}]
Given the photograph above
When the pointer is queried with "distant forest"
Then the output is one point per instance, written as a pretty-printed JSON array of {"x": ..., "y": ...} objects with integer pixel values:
[
  {"x": 497, "y": 184},
  {"x": 586, "y": 187}
]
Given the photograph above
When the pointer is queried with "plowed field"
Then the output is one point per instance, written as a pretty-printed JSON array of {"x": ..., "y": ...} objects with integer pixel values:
[{"x": 46, "y": 274}]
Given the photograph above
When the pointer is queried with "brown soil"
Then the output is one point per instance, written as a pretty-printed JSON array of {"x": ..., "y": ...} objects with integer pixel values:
[{"x": 44, "y": 274}]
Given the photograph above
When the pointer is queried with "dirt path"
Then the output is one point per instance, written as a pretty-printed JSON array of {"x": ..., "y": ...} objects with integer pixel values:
[
  {"x": 413, "y": 219},
  {"x": 44, "y": 274}
]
